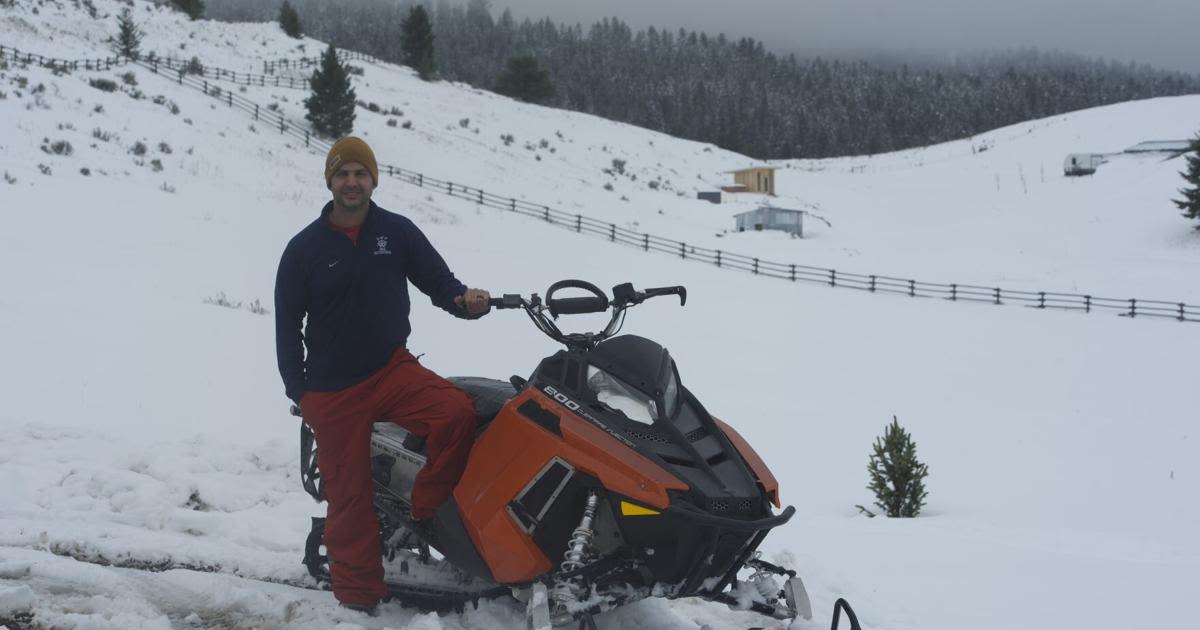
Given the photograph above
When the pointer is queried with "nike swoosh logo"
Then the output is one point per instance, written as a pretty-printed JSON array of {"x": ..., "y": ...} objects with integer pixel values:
[{"x": 334, "y": 263}]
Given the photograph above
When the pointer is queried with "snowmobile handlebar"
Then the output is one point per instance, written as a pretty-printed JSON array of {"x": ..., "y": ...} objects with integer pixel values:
[{"x": 624, "y": 296}]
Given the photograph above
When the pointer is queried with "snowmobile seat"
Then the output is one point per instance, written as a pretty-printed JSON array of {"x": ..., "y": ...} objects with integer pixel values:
[{"x": 489, "y": 395}]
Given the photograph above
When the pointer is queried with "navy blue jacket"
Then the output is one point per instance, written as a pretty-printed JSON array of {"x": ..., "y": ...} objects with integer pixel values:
[{"x": 355, "y": 297}]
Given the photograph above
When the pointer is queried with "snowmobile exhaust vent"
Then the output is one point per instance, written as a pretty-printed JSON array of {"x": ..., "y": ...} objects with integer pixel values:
[
  {"x": 649, "y": 436},
  {"x": 528, "y": 508}
]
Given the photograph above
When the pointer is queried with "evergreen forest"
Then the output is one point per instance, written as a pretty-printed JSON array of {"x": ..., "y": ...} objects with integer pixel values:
[{"x": 734, "y": 92}]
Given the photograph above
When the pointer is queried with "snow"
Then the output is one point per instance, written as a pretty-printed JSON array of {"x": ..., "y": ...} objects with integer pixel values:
[{"x": 145, "y": 429}]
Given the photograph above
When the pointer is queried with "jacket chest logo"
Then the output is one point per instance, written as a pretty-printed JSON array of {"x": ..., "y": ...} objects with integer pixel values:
[{"x": 382, "y": 244}]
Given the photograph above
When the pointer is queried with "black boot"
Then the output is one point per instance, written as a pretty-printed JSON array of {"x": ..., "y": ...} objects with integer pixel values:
[{"x": 370, "y": 610}]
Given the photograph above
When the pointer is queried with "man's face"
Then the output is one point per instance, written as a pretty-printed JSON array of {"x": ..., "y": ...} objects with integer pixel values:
[{"x": 352, "y": 186}]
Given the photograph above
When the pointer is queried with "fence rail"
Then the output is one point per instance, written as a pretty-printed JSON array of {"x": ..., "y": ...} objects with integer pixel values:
[
  {"x": 269, "y": 67},
  {"x": 1128, "y": 307},
  {"x": 180, "y": 65}
]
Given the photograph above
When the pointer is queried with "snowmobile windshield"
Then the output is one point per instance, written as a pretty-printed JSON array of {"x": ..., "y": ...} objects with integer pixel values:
[
  {"x": 617, "y": 395},
  {"x": 636, "y": 405}
]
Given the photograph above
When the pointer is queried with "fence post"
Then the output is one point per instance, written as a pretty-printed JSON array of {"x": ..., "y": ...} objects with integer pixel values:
[
  {"x": 997, "y": 295},
  {"x": 793, "y": 272},
  {"x": 1087, "y": 304},
  {"x": 1041, "y": 299},
  {"x": 282, "y": 128},
  {"x": 1132, "y": 307},
  {"x": 718, "y": 258},
  {"x": 229, "y": 98},
  {"x": 646, "y": 242},
  {"x": 833, "y": 277},
  {"x": 480, "y": 196},
  {"x": 306, "y": 137},
  {"x": 912, "y": 288},
  {"x": 578, "y": 223},
  {"x": 1181, "y": 317},
  {"x": 756, "y": 266},
  {"x": 683, "y": 251},
  {"x": 420, "y": 180},
  {"x": 512, "y": 205},
  {"x": 546, "y": 213},
  {"x": 206, "y": 87},
  {"x": 612, "y": 231},
  {"x": 449, "y": 189},
  {"x": 953, "y": 292},
  {"x": 872, "y": 289},
  {"x": 256, "y": 111}
]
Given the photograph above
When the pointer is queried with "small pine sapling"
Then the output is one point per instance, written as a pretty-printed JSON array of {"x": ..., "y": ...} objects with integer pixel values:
[
  {"x": 1190, "y": 204},
  {"x": 897, "y": 476}
]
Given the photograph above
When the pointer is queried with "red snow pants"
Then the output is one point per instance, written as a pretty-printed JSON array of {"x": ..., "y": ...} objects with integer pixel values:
[{"x": 415, "y": 398}]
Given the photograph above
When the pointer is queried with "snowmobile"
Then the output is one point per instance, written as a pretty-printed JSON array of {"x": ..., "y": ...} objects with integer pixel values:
[{"x": 597, "y": 481}]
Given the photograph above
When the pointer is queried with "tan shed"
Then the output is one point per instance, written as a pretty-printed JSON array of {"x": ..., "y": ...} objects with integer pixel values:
[{"x": 756, "y": 179}]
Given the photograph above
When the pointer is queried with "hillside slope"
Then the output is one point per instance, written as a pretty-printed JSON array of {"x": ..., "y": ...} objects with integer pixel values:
[{"x": 146, "y": 425}]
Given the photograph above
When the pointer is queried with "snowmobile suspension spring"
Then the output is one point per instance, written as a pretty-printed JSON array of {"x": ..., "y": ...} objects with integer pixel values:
[
  {"x": 569, "y": 590},
  {"x": 573, "y": 558}
]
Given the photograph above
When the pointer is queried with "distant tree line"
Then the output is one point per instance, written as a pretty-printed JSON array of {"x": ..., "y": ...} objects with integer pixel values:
[{"x": 734, "y": 94}]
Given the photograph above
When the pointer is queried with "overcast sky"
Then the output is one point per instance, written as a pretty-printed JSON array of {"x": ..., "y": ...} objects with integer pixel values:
[{"x": 1163, "y": 33}]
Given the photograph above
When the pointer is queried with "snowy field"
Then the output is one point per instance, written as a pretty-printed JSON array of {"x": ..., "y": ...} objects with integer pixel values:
[{"x": 145, "y": 427}]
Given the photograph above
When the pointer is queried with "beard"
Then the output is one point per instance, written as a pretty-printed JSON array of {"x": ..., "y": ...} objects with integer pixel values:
[{"x": 352, "y": 202}]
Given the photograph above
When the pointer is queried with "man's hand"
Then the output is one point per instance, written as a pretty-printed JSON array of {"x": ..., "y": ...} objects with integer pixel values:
[{"x": 475, "y": 301}]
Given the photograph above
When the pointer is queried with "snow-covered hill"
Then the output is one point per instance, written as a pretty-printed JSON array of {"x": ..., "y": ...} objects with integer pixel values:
[{"x": 143, "y": 424}]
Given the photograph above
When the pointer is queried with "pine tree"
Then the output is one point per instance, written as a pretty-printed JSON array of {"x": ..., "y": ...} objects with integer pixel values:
[
  {"x": 289, "y": 20},
  {"x": 416, "y": 47},
  {"x": 896, "y": 473},
  {"x": 193, "y": 8},
  {"x": 129, "y": 36},
  {"x": 524, "y": 79},
  {"x": 1190, "y": 204},
  {"x": 331, "y": 106}
]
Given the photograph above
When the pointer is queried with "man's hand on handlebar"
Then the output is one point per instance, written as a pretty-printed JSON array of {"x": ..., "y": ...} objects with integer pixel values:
[{"x": 475, "y": 301}]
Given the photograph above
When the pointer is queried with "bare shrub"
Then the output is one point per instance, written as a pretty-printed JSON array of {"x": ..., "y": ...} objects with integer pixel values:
[
  {"x": 58, "y": 148},
  {"x": 104, "y": 85},
  {"x": 220, "y": 299}
]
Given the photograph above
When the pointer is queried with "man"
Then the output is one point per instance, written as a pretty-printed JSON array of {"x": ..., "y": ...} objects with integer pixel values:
[{"x": 348, "y": 271}]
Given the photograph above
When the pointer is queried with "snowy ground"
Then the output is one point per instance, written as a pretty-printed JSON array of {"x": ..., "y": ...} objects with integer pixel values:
[{"x": 144, "y": 427}]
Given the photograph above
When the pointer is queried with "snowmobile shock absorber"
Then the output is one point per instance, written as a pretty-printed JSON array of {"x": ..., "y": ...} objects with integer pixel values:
[{"x": 569, "y": 590}]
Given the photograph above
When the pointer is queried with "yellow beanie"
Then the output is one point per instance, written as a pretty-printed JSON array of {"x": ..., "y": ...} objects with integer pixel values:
[{"x": 347, "y": 150}]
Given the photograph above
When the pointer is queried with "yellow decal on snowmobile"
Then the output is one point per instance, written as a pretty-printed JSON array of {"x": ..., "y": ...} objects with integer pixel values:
[{"x": 629, "y": 509}]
